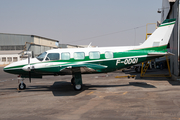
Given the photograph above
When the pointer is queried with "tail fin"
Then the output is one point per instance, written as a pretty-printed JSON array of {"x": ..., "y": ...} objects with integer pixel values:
[{"x": 160, "y": 37}]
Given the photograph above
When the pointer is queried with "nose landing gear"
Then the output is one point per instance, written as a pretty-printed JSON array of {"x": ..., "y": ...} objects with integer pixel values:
[{"x": 21, "y": 86}]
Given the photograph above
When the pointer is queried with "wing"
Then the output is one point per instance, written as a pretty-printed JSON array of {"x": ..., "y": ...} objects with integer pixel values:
[
  {"x": 90, "y": 65},
  {"x": 67, "y": 67},
  {"x": 84, "y": 67}
]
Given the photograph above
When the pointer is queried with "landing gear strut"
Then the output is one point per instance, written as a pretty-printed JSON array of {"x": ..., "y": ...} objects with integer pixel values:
[{"x": 72, "y": 80}]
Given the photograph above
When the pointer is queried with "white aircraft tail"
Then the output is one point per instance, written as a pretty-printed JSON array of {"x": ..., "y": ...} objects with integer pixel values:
[{"x": 160, "y": 37}]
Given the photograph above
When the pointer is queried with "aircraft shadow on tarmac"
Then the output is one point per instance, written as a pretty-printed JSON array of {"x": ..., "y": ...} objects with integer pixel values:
[{"x": 63, "y": 88}]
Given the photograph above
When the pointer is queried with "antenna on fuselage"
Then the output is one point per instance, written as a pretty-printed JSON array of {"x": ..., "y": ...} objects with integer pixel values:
[{"x": 89, "y": 46}]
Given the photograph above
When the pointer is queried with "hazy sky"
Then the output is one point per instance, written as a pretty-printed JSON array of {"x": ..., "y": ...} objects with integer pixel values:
[{"x": 79, "y": 22}]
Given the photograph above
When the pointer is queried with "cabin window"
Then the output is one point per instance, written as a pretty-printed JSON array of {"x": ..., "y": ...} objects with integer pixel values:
[
  {"x": 79, "y": 55},
  {"x": 108, "y": 54},
  {"x": 3, "y": 59},
  {"x": 94, "y": 55},
  {"x": 65, "y": 56},
  {"x": 41, "y": 56},
  {"x": 15, "y": 59},
  {"x": 9, "y": 59},
  {"x": 52, "y": 56}
]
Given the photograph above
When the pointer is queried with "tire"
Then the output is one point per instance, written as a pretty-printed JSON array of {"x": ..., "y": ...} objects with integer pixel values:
[
  {"x": 73, "y": 81},
  {"x": 78, "y": 87},
  {"x": 22, "y": 86}
]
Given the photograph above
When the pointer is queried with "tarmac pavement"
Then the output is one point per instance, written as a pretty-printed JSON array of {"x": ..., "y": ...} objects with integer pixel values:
[{"x": 103, "y": 97}]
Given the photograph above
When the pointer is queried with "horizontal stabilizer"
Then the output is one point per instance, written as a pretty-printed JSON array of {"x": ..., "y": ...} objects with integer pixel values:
[{"x": 160, "y": 54}]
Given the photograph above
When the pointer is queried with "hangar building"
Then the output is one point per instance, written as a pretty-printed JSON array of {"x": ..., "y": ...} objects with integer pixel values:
[
  {"x": 169, "y": 10},
  {"x": 12, "y": 46}
]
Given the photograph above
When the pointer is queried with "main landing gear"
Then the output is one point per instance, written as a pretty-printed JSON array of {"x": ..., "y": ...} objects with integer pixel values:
[{"x": 76, "y": 80}]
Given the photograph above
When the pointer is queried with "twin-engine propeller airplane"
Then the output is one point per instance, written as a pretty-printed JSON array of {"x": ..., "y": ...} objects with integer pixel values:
[{"x": 77, "y": 61}]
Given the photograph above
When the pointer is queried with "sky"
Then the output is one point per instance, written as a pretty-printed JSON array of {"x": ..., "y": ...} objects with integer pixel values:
[{"x": 81, "y": 22}]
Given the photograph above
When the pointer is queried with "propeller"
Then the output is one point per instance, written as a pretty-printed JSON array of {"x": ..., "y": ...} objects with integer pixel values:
[{"x": 29, "y": 66}]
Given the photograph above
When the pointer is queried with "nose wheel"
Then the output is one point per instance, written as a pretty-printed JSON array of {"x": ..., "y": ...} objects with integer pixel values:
[{"x": 22, "y": 86}]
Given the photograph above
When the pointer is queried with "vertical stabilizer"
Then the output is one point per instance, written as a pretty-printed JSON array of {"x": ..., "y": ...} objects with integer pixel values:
[{"x": 161, "y": 36}]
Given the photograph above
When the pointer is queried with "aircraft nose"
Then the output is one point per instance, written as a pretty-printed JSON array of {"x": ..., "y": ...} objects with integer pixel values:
[
  {"x": 5, "y": 70},
  {"x": 8, "y": 68}
]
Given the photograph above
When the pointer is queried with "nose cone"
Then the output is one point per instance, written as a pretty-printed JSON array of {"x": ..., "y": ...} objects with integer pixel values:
[
  {"x": 13, "y": 68},
  {"x": 19, "y": 66},
  {"x": 4, "y": 69},
  {"x": 7, "y": 68}
]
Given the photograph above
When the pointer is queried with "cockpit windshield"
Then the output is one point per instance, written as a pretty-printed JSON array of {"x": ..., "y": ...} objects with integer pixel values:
[{"x": 41, "y": 56}]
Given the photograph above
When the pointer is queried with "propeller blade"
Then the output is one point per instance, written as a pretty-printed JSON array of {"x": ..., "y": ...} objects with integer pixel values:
[
  {"x": 30, "y": 76},
  {"x": 29, "y": 68}
]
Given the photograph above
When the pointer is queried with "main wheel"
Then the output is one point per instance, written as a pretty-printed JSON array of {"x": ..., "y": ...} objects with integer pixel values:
[
  {"x": 78, "y": 87},
  {"x": 22, "y": 86}
]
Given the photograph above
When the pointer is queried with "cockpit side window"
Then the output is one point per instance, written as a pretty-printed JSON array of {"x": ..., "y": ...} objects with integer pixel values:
[
  {"x": 53, "y": 56},
  {"x": 41, "y": 56}
]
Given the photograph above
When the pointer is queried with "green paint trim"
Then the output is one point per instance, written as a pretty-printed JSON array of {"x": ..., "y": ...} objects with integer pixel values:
[
  {"x": 15, "y": 67},
  {"x": 117, "y": 55},
  {"x": 168, "y": 22}
]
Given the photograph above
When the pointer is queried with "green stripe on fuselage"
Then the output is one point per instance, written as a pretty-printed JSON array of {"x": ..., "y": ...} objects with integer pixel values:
[
  {"x": 141, "y": 54},
  {"x": 15, "y": 67}
]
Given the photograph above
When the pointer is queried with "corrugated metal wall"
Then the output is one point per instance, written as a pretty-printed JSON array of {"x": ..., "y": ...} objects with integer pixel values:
[
  {"x": 174, "y": 40},
  {"x": 14, "y": 39},
  {"x": 44, "y": 42},
  {"x": 37, "y": 49}
]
